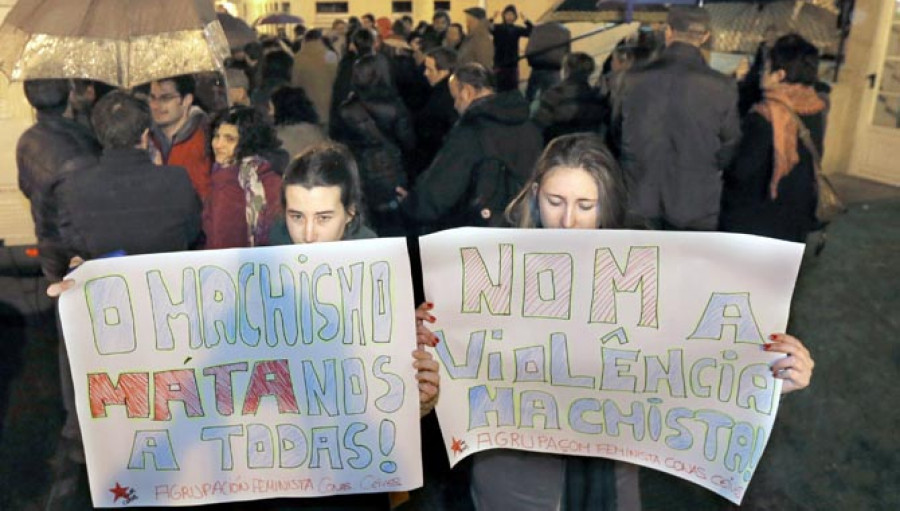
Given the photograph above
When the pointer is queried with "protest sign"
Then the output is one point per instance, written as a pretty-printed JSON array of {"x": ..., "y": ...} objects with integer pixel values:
[
  {"x": 638, "y": 346},
  {"x": 245, "y": 374}
]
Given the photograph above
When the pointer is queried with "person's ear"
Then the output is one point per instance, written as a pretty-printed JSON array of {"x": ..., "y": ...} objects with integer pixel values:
[
  {"x": 351, "y": 214},
  {"x": 145, "y": 139},
  {"x": 187, "y": 100},
  {"x": 705, "y": 38},
  {"x": 780, "y": 75}
]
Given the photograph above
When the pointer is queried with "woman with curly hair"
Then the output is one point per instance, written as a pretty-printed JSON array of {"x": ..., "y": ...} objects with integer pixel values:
[{"x": 243, "y": 201}]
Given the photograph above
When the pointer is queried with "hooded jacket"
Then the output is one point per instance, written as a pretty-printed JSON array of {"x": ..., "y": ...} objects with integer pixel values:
[
  {"x": 493, "y": 127},
  {"x": 188, "y": 149},
  {"x": 477, "y": 47}
]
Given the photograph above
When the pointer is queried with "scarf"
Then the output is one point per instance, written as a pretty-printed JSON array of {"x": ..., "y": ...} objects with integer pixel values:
[
  {"x": 776, "y": 107},
  {"x": 254, "y": 195}
]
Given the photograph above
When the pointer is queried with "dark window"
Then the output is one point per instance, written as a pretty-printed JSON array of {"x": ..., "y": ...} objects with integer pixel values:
[
  {"x": 332, "y": 7},
  {"x": 442, "y": 6},
  {"x": 285, "y": 7},
  {"x": 401, "y": 6}
]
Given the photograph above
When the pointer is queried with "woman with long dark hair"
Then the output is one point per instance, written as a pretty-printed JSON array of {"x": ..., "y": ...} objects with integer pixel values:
[
  {"x": 244, "y": 190},
  {"x": 577, "y": 184}
]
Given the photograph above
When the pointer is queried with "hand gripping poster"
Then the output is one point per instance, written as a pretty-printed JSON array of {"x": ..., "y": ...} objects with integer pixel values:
[
  {"x": 639, "y": 346},
  {"x": 245, "y": 374}
]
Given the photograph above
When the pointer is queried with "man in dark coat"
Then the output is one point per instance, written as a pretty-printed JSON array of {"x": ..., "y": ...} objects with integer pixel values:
[
  {"x": 438, "y": 116},
  {"x": 680, "y": 129},
  {"x": 492, "y": 127},
  {"x": 125, "y": 202},
  {"x": 506, "y": 47},
  {"x": 53, "y": 144}
]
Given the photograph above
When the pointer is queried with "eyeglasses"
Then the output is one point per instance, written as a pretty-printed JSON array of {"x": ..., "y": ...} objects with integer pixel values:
[{"x": 165, "y": 98}]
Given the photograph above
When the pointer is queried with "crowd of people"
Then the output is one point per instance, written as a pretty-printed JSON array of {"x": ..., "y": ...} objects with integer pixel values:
[{"x": 380, "y": 128}]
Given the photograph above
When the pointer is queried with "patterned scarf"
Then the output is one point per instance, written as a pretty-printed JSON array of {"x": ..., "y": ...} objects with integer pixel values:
[
  {"x": 254, "y": 195},
  {"x": 776, "y": 107}
]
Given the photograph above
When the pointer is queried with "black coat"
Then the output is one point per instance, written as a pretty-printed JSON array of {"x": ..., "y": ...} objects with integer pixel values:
[
  {"x": 680, "y": 128},
  {"x": 380, "y": 135},
  {"x": 433, "y": 122},
  {"x": 570, "y": 106},
  {"x": 47, "y": 150},
  {"x": 411, "y": 82},
  {"x": 497, "y": 126},
  {"x": 506, "y": 42},
  {"x": 340, "y": 91},
  {"x": 127, "y": 203},
  {"x": 747, "y": 205}
]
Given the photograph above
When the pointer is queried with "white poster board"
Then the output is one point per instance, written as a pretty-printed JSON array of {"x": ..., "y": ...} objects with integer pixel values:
[
  {"x": 639, "y": 346},
  {"x": 229, "y": 375}
]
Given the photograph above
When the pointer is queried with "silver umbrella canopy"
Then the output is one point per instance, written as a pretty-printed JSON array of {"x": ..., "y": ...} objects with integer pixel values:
[
  {"x": 739, "y": 27},
  {"x": 120, "y": 42}
]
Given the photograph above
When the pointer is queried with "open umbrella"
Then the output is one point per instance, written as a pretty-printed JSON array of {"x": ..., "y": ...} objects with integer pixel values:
[
  {"x": 120, "y": 42},
  {"x": 237, "y": 31},
  {"x": 280, "y": 18}
]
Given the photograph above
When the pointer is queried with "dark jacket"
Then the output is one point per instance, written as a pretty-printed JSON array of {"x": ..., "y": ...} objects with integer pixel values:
[
  {"x": 433, "y": 122},
  {"x": 747, "y": 205},
  {"x": 44, "y": 152},
  {"x": 506, "y": 42},
  {"x": 498, "y": 127},
  {"x": 679, "y": 131},
  {"x": 340, "y": 91},
  {"x": 412, "y": 86},
  {"x": 279, "y": 235},
  {"x": 379, "y": 133},
  {"x": 125, "y": 202},
  {"x": 570, "y": 106}
]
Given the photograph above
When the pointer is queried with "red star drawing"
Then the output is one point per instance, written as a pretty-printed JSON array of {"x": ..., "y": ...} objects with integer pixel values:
[
  {"x": 119, "y": 492},
  {"x": 458, "y": 446}
]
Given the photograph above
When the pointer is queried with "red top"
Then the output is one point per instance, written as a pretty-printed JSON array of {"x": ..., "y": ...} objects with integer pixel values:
[{"x": 224, "y": 209}]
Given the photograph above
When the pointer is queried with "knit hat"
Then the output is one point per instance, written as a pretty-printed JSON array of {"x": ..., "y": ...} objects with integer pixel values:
[{"x": 476, "y": 12}]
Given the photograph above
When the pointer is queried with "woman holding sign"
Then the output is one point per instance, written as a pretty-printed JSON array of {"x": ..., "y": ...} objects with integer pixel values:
[
  {"x": 577, "y": 184},
  {"x": 322, "y": 200}
]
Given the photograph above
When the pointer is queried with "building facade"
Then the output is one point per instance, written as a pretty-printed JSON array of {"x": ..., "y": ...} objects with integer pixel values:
[{"x": 318, "y": 13}]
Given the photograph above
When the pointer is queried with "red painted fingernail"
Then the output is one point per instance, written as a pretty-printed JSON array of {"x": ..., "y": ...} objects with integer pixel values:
[
  {"x": 772, "y": 337},
  {"x": 432, "y": 319},
  {"x": 767, "y": 346},
  {"x": 429, "y": 305},
  {"x": 437, "y": 340}
]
